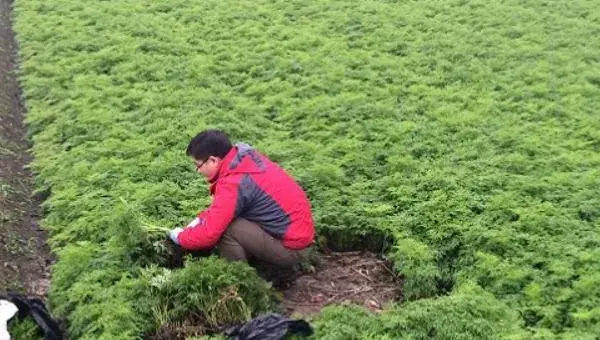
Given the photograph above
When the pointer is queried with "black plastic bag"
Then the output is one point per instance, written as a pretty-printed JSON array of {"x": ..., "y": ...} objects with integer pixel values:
[
  {"x": 269, "y": 327},
  {"x": 35, "y": 308}
]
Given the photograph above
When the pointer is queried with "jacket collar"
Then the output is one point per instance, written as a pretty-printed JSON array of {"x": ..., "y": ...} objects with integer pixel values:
[
  {"x": 223, "y": 166},
  {"x": 242, "y": 158}
]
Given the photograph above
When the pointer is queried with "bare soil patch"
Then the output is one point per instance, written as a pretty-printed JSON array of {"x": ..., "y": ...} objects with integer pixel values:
[{"x": 358, "y": 277}]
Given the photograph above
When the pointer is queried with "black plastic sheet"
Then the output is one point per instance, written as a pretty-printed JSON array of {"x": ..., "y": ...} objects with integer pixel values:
[
  {"x": 269, "y": 327},
  {"x": 35, "y": 308}
]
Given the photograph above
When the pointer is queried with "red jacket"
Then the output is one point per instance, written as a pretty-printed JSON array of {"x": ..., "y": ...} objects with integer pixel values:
[{"x": 250, "y": 186}]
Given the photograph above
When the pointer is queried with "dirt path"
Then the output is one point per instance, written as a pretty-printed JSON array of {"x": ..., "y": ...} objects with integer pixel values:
[{"x": 24, "y": 255}]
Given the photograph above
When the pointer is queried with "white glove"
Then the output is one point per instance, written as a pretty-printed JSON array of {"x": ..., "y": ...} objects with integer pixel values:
[
  {"x": 173, "y": 234},
  {"x": 7, "y": 311}
]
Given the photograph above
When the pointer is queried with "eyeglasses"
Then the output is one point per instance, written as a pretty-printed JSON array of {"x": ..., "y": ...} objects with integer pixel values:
[{"x": 198, "y": 166}]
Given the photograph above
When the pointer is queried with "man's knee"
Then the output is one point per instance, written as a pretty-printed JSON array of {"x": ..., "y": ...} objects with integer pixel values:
[
  {"x": 229, "y": 245},
  {"x": 231, "y": 250},
  {"x": 234, "y": 227},
  {"x": 228, "y": 238}
]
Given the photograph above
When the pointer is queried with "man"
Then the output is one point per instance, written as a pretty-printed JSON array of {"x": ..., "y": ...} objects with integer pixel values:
[{"x": 258, "y": 211}]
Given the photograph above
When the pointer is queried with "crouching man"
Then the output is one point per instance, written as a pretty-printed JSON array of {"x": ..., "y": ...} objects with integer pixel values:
[{"x": 258, "y": 211}]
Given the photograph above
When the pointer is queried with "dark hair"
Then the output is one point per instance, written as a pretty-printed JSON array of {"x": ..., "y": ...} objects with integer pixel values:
[{"x": 209, "y": 143}]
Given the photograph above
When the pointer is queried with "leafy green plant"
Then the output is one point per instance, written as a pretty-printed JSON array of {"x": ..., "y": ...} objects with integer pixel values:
[
  {"x": 467, "y": 313},
  {"x": 416, "y": 261},
  {"x": 25, "y": 329},
  {"x": 468, "y": 130},
  {"x": 211, "y": 290}
]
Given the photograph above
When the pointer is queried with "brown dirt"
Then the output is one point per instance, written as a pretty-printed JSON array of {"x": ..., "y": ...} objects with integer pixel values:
[
  {"x": 189, "y": 328},
  {"x": 349, "y": 277},
  {"x": 24, "y": 254}
]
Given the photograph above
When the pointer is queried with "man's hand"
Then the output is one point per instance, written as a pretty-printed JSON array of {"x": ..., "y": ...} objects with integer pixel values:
[{"x": 173, "y": 234}]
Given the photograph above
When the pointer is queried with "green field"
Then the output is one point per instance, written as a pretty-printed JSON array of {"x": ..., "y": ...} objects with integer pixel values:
[{"x": 466, "y": 131}]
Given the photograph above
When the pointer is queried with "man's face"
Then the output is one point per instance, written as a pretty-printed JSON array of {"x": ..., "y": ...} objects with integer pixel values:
[{"x": 208, "y": 167}]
